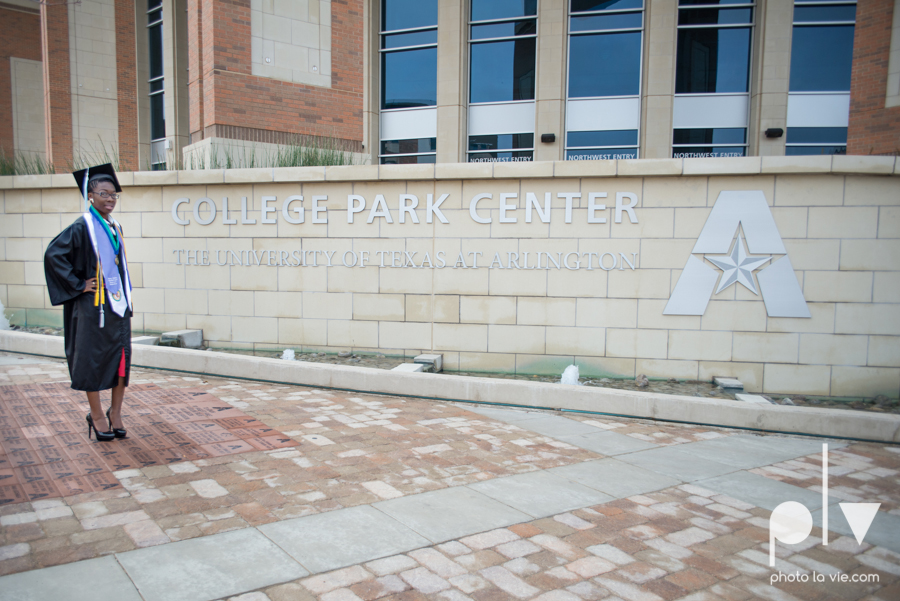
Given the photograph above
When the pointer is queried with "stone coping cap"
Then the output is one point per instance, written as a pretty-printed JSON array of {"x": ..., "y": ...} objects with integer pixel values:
[{"x": 838, "y": 164}]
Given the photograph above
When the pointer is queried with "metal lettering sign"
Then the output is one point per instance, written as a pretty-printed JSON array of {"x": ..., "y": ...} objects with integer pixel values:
[{"x": 733, "y": 213}]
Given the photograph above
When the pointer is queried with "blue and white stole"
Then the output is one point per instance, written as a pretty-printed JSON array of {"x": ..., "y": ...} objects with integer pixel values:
[{"x": 106, "y": 251}]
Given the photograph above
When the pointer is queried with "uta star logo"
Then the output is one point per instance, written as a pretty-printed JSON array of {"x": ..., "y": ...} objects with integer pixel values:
[
  {"x": 738, "y": 267},
  {"x": 745, "y": 213}
]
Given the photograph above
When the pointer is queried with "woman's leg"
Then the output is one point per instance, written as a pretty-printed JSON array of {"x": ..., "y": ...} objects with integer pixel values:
[
  {"x": 118, "y": 395},
  {"x": 97, "y": 412}
]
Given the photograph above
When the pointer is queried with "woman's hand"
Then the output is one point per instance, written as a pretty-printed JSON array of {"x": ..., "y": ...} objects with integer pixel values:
[{"x": 90, "y": 285}]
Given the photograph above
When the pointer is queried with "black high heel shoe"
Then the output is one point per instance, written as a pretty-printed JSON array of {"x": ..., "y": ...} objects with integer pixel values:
[
  {"x": 119, "y": 432},
  {"x": 101, "y": 436}
]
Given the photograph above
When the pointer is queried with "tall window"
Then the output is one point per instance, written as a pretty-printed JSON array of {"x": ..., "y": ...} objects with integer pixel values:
[
  {"x": 408, "y": 81},
  {"x": 157, "y": 102},
  {"x": 604, "y": 105},
  {"x": 712, "y": 78},
  {"x": 502, "y": 46},
  {"x": 819, "y": 93}
]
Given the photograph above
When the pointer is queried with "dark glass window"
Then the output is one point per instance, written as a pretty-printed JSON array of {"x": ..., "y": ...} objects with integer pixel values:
[
  {"x": 502, "y": 70},
  {"x": 607, "y": 145},
  {"x": 708, "y": 2},
  {"x": 414, "y": 146},
  {"x": 715, "y": 60},
  {"x": 821, "y": 58},
  {"x": 814, "y": 150},
  {"x": 578, "y": 6},
  {"x": 816, "y": 140},
  {"x": 156, "y": 51},
  {"x": 501, "y": 141},
  {"x": 401, "y": 152},
  {"x": 408, "y": 14},
  {"x": 822, "y": 46},
  {"x": 704, "y": 152},
  {"x": 408, "y": 159},
  {"x": 709, "y": 142},
  {"x": 731, "y": 135},
  {"x": 621, "y": 137},
  {"x": 600, "y": 154},
  {"x": 815, "y": 14},
  {"x": 157, "y": 117},
  {"x": 487, "y": 10},
  {"x": 606, "y": 22},
  {"x": 501, "y": 148},
  {"x": 816, "y": 135},
  {"x": 409, "y": 78},
  {"x": 617, "y": 74},
  {"x": 715, "y": 16}
]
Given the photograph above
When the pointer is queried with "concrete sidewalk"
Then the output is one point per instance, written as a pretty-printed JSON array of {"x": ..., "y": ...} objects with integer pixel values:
[{"x": 399, "y": 499}]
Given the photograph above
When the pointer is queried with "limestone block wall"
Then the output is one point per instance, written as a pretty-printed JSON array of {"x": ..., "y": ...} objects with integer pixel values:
[
  {"x": 291, "y": 41},
  {"x": 27, "y": 87},
  {"x": 457, "y": 279},
  {"x": 93, "y": 77}
]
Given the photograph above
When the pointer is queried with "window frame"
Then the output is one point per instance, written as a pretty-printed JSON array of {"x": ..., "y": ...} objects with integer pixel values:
[
  {"x": 382, "y": 51},
  {"x": 155, "y": 19},
  {"x": 752, "y": 25},
  {"x": 794, "y": 25},
  {"x": 640, "y": 92},
  {"x": 469, "y": 22}
]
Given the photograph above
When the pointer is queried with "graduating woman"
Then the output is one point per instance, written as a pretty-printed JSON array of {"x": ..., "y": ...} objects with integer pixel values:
[{"x": 87, "y": 273}]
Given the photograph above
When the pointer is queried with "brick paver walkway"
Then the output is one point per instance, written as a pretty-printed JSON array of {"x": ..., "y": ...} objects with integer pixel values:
[{"x": 355, "y": 449}]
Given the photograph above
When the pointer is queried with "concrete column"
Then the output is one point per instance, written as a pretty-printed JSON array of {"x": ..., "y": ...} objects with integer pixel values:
[
  {"x": 175, "y": 63},
  {"x": 550, "y": 92},
  {"x": 57, "y": 92},
  {"x": 451, "y": 81},
  {"x": 658, "y": 85},
  {"x": 371, "y": 81},
  {"x": 893, "y": 79},
  {"x": 94, "y": 80},
  {"x": 770, "y": 77}
]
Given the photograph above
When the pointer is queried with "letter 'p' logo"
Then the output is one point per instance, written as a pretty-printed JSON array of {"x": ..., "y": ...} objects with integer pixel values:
[
  {"x": 723, "y": 246},
  {"x": 791, "y": 522}
]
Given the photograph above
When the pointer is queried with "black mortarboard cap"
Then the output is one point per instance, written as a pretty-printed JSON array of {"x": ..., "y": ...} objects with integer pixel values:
[{"x": 98, "y": 172}]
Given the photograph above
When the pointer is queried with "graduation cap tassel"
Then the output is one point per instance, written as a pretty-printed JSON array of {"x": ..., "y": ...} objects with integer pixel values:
[
  {"x": 99, "y": 294},
  {"x": 84, "y": 189}
]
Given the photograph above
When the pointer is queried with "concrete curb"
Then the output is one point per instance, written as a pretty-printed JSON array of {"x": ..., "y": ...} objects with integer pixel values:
[{"x": 834, "y": 423}]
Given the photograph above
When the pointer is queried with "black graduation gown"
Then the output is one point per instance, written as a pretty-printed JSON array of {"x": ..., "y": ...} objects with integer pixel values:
[{"x": 93, "y": 353}]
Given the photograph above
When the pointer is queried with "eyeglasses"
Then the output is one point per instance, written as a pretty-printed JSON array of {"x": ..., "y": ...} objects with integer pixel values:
[{"x": 106, "y": 195}]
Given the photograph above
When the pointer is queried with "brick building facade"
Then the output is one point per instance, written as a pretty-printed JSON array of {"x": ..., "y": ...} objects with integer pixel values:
[
  {"x": 180, "y": 77},
  {"x": 874, "y": 117}
]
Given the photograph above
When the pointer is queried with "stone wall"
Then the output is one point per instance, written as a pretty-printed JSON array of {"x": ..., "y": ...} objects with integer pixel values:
[
  {"x": 20, "y": 38},
  {"x": 93, "y": 78},
  {"x": 603, "y": 307}
]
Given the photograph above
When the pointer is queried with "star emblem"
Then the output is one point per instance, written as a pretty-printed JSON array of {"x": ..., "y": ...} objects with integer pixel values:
[{"x": 738, "y": 267}]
